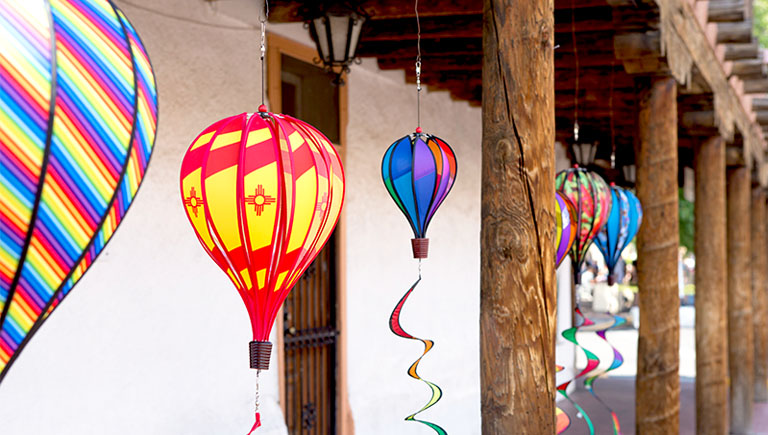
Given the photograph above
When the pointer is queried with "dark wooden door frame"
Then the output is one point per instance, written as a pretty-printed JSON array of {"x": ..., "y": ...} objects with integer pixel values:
[{"x": 276, "y": 47}]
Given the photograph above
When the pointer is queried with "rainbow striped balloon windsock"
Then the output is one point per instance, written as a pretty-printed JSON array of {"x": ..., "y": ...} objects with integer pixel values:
[{"x": 78, "y": 116}]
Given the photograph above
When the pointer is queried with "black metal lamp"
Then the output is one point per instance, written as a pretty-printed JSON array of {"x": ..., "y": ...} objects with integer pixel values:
[
  {"x": 336, "y": 32},
  {"x": 583, "y": 152},
  {"x": 630, "y": 173}
]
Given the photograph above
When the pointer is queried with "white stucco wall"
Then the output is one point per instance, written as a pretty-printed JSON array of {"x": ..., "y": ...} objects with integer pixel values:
[
  {"x": 380, "y": 267},
  {"x": 445, "y": 306},
  {"x": 565, "y": 351},
  {"x": 153, "y": 340}
]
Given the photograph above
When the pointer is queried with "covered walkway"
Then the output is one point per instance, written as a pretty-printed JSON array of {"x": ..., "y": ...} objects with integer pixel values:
[{"x": 619, "y": 392}]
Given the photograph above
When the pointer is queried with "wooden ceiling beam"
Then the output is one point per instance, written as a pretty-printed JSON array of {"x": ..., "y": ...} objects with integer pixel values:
[
  {"x": 430, "y": 47},
  {"x": 640, "y": 52},
  {"x": 740, "y": 32},
  {"x": 726, "y": 10},
  {"x": 588, "y": 20},
  {"x": 756, "y": 86},
  {"x": 288, "y": 11},
  {"x": 748, "y": 67},
  {"x": 436, "y": 27},
  {"x": 442, "y": 63},
  {"x": 760, "y": 103},
  {"x": 637, "y": 45},
  {"x": 735, "y": 51},
  {"x": 693, "y": 119}
]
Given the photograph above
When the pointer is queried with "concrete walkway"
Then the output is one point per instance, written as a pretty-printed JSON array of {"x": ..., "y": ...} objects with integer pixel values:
[{"x": 619, "y": 392}]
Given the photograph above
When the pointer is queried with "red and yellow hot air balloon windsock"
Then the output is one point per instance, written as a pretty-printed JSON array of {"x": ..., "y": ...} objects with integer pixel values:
[{"x": 263, "y": 192}]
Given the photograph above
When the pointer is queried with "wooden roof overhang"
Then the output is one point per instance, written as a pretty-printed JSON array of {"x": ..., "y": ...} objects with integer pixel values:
[{"x": 706, "y": 45}]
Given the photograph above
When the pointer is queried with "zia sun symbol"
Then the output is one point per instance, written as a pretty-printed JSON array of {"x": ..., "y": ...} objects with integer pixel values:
[
  {"x": 259, "y": 199},
  {"x": 193, "y": 201}
]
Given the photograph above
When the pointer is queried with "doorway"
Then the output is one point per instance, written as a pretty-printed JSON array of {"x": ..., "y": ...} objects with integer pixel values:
[{"x": 311, "y": 341}]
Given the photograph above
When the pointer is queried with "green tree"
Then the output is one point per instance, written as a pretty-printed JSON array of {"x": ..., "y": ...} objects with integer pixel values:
[
  {"x": 685, "y": 210},
  {"x": 761, "y": 21}
]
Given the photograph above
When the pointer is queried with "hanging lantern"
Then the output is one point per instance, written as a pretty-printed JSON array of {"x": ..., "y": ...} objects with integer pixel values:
[
  {"x": 418, "y": 171},
  {"x": 263, "y": 192},
  {"x": 630, "y": 173},
  {"x": 591, "y": 199},
  {"x": 584, "y": 152},
  {"x": 565, "y": 227},
  {"x": 621, "y": 227},
  {"x": 336, "y": 32},
  {"x": 78, "y": 127}
]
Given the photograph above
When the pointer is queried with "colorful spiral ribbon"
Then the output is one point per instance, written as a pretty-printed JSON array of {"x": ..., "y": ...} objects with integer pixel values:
[
  {"x": 592, "y": 362},
  {"x": 437, "y": 393},
  {"x": 618, "y": 360},
  {"x": 562, "y": 421}
]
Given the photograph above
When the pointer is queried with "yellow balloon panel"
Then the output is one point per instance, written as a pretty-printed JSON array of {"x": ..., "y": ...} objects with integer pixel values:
[{"x": 261, "y": 191}]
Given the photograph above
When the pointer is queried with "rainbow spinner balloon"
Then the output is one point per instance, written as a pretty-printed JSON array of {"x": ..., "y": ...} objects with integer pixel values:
[
  {"x": 78, "y": 115},
  {"x": 591, "y": 198},
  {"x": 263, "y": 193},
  {"x": 418, "y": 171},
  {"x": 621, "y": 227}
]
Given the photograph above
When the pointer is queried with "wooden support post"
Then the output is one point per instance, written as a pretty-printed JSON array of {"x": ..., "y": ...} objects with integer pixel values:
[
  {"x": 517, "y": 272},
  {"x": 657, "y": 403},
  {"x": 759, "y": 295},
  {"x": 711, "y": 289},
  {"x": 740, "y": 341}
]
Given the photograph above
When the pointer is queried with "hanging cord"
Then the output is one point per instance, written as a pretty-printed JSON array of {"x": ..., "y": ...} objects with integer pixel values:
[
  {"x": 418, "y": 68},
  {"x": 256, "y": 401},
  {"x": 576, "y": 61},
  {"x": 610, "y": 112},
  {"x": 257, "y": 421},
  {"x": 263, "y": 110},
  {"x": 263, "y": 51},
  {"x": 419, "y": 268}
]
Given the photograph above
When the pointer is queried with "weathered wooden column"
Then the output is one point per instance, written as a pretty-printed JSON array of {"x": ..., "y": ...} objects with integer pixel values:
[
  {"x": 759, "y": 295},
  {"x": 657, "y": 402},
  {"x": 711, "y": 289},
  {"x": 517, "y": 276},
  {"x": 740, "y": 336}
]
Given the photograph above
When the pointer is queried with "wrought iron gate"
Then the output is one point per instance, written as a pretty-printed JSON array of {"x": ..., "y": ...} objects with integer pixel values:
[{"x": 310, "y": 338}]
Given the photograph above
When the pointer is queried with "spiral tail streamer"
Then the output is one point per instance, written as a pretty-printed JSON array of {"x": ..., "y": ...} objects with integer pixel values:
[
  {"x": 437, "y": 393},
  {"x": 618, "y": 360},
  {"x": 562, "y": 420},
  {"x": 582, "y": 413},
  {"x": 592, "y": 362}
]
